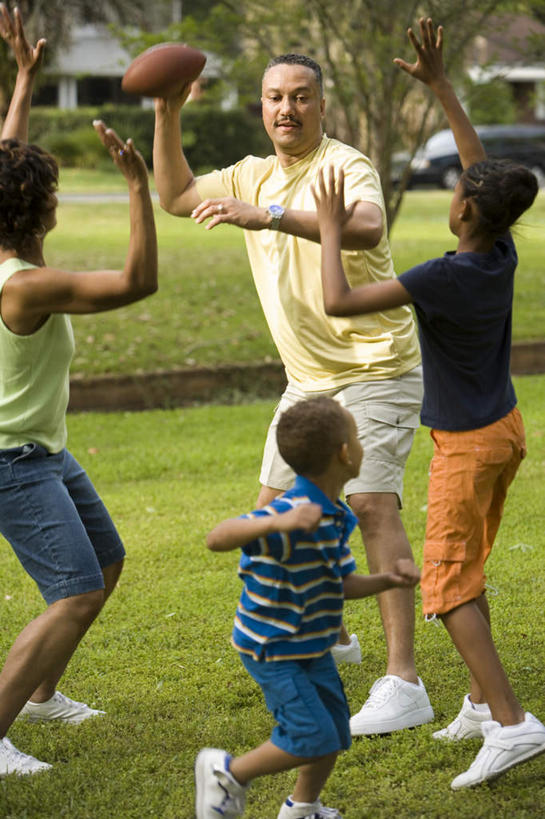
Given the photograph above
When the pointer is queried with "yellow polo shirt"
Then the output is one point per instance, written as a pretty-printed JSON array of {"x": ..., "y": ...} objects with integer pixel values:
[{"x": 319, "y": 352}]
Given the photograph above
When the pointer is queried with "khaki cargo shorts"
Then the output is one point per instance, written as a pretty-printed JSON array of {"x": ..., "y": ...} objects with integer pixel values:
[{"x": 387, "y": 413}]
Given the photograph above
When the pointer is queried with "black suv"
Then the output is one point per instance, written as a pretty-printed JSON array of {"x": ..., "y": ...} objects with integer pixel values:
[{"x": 437, "y": 162}]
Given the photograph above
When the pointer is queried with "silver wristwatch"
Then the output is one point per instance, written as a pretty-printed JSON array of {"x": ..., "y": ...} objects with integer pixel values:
[{"x": 276, "y": 212}]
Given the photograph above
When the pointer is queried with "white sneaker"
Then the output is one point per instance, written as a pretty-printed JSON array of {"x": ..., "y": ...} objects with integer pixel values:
[
  {"x": 60, "y": 708},
  {"x": 467, "y": 725},
  {"x": 13, "y": 761},
  {"x": 350, "y": 653},
  {"x": 393, "y": 704},
  {"x": 307, "y": 810},
  {"x": 504, "y": 746},
  {"x": 218, "y": 792}
]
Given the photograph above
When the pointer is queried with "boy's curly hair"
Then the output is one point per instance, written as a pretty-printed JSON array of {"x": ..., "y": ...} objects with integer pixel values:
[
  {"x": 28, "y": 178},
  {"x": 502, "y": 190},
  {"x": 310, "y": 433}
]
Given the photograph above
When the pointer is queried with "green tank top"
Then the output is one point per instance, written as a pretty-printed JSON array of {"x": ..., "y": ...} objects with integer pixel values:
[{"x": 34, "y": 378}]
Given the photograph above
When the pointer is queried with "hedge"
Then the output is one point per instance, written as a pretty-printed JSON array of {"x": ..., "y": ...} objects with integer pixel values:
[{"x": 212, "y": 138}]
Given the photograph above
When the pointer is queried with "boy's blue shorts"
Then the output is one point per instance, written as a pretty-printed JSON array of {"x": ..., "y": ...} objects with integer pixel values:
[{"x": 307, "y": 700}]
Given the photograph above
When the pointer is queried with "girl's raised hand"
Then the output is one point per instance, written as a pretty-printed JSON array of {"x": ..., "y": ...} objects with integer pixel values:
[
  {"x": 428, "y": 67},
  {"x": 329, "y": 198}
]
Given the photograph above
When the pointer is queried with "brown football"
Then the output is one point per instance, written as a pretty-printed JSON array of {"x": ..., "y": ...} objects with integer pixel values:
[{"x": 163, "y": 69}]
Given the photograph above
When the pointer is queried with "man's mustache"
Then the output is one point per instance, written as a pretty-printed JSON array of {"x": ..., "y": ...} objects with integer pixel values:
[{"x": 287, "y": 121}]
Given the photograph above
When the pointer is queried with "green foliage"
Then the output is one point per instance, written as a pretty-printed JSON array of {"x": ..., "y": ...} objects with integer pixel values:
[
  {"x": 158, "y": 660},
  {"x": 491, "y": 102},
  {"x": 212, "y": 138},
  {"x": 77, "y": 149}
]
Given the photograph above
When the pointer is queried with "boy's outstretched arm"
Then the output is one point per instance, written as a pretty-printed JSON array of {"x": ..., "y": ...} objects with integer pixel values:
[
  {"x": 405, "y": 575},
  {"x": 29, "y": 58},
  {"x": 430, "y": 70},
  {"x": 236, "y": 532},
  {"x": 339, "y": 298}
]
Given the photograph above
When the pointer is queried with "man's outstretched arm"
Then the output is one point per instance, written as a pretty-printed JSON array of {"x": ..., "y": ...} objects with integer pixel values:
[
  {"x": 361, "y": 230},
  {"x": 174, "y": 178}
]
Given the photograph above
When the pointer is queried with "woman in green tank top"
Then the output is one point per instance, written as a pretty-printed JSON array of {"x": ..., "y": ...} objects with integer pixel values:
[{"x": 49, "y": 511}]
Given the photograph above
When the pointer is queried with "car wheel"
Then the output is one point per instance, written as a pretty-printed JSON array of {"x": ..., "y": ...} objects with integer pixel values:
[
  {"x": 450, "y": 177},
  {"x": 539, "y": 174}
]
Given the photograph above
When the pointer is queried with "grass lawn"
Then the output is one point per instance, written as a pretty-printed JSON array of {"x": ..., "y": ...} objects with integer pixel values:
[
  {"x": 206, "y": 311},
  {"x": 159, "y": 660}
]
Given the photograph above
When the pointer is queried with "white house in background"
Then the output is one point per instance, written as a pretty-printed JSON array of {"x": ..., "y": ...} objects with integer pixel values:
[
  {"x": 505, "y": 52},
  {"x": 90, "y": 69}
]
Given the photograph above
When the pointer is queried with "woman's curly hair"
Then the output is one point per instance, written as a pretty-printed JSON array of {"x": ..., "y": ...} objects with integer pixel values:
[
  {"x": 28, "y": 178},
  {"x": 502, "y": 190}
]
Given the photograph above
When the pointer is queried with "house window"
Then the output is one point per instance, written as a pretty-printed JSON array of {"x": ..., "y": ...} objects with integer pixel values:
[
  {"x": 46, "y": 94},
  {"x": 103, "y": 90}
]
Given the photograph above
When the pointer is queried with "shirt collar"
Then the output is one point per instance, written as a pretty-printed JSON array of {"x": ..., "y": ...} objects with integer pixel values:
[{"x": 304, "y": 486}]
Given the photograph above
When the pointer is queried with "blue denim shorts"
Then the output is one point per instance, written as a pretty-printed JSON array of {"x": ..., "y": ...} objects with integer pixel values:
[
  {"x": 53, "y": 518},
  {"x": 307, "y": 700}
]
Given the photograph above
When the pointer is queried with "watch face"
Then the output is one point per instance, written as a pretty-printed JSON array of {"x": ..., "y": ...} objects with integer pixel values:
[{"x": 276, "y": 210}]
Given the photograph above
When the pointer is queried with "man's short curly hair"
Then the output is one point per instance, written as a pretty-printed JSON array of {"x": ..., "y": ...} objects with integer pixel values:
[
  {"x": 310, "y": 433},
  {"x": 28, "y": 178},
  {"x": 299, "y": 59}
]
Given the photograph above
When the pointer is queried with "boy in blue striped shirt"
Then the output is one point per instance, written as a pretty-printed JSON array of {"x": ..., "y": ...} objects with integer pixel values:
[{"x": 297, "y": 569}]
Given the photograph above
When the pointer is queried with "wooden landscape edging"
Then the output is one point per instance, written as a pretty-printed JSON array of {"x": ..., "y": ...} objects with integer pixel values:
[{"x": 222, "y": 384}]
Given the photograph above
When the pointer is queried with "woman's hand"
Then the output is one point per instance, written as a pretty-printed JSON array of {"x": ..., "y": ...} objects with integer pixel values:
[
  {"x": 28, "y": 57},
  {"x": 124, "y": 154}
]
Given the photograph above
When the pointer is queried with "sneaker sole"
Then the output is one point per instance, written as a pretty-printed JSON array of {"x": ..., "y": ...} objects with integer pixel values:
[
  {"x": 68, "y": 720},
  {"x": 447, "y": 738},
  {"x": 341, "y": 658},
  {"x": 494, "y": 775},
  {"x": 31, "y": 772},
  {"x": 416, "y": 718}
]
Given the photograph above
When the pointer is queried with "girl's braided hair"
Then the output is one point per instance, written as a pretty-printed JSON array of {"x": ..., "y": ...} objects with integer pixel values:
[{"x": 502, "y": 190}]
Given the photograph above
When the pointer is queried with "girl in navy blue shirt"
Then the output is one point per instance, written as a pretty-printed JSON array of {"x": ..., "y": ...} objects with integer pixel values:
[{"x": 463, "y": 302}]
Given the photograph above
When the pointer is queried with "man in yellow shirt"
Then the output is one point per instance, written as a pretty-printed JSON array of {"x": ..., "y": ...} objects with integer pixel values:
[{"x": 370, "y": 364}]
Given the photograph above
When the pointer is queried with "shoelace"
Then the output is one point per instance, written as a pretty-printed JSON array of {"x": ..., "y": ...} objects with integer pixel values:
[
  {"x": 14, "y": 755},
  {"x": 454, "y": 727},
  {"x": 59, "y": 697},
  {"x": 380, "y": 692}
]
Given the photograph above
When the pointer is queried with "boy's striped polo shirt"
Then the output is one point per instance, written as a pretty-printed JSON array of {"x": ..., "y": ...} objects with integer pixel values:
[{"x": 292, "y": 601}]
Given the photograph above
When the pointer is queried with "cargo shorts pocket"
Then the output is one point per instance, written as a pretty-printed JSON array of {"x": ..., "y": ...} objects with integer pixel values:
[
  {"x": 442, "y": 582},
  {"x": 289, "y": 708},
  {"x": 390, "y": 430}
]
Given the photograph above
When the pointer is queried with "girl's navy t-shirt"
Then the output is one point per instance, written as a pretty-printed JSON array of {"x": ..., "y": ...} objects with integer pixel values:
[{"x": 463, "y": 302}]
